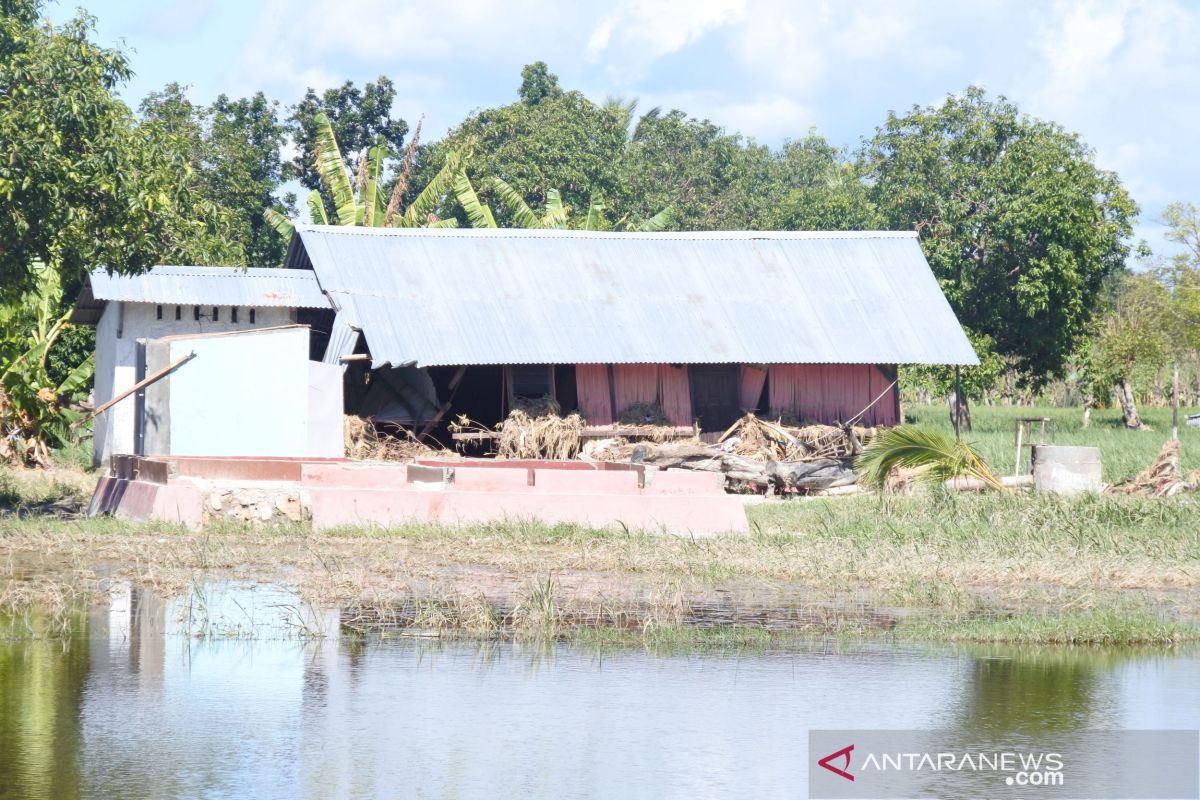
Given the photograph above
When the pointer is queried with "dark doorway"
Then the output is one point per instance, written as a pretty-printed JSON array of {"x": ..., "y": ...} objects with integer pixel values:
[{"x": 715, "y": 394}]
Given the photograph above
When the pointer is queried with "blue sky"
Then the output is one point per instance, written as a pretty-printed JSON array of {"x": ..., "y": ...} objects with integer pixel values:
[{"x": 1124, "y": 74}]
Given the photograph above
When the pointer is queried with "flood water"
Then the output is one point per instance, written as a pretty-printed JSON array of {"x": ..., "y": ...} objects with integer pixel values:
[{"x": 168, "y": 700}]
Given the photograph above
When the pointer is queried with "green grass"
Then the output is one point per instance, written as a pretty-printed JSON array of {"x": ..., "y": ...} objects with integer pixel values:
[
  {"x": 1123, "y": 453},
  {"x": 1109, "y": 627}
]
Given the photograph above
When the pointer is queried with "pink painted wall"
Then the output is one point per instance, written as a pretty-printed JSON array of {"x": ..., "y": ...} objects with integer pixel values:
[
  {"x": 832, "y": 392},
  {"x": 591, "y": 386}
]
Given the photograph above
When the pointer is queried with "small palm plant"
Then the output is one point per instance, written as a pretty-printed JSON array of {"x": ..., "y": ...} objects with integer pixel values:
[{"x": 943, "y": 457}]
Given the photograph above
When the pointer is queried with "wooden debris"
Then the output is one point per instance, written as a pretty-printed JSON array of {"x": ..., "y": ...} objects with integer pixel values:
[
  {"x": 763, "y": 440},
  {"x": 1163, "y": 478},
  {"x": 810, "y": 475}
]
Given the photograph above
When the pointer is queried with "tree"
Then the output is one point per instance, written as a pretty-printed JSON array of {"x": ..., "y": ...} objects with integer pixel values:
[
  {"x": 35, "y": 411},
  {"x": 360, "y": 119},
  {"x": 234, "y": 147},
  {"x": 712, "y": 180},
  {"x": 819, "y": 190},
  {"x": 538, "y": 83},
  {"x": 1131, "y": 336},
  {"x": 1019, "y": 225},
  {"x": 81, "y": 183},
  {"x": 548, "y": 140}
]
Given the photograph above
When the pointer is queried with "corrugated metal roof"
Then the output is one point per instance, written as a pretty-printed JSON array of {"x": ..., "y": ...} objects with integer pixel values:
[
  {"x": 442, "y": 296},
  {"x": 219, "y": 286},
  {"x": 342, "y": 341}
]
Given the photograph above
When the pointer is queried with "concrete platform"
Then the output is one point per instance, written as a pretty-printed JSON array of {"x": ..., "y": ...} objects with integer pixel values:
[{"x": 333, "y": 493}]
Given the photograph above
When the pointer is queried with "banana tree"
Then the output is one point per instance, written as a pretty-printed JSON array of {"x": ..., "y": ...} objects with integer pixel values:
[
  {"x": 554, "y": 215},
  {"x": 35, "y": 413},
  {"x": 360, "y": 202}
]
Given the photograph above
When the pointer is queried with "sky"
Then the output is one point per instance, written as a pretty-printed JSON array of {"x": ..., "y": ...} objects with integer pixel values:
[{"x": 1124, "y": 74}]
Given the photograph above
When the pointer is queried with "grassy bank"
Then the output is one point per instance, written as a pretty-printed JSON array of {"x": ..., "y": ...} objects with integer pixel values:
[
  {"x": 1124, "y": 453},
  {"x": 1020, "y": 568}
]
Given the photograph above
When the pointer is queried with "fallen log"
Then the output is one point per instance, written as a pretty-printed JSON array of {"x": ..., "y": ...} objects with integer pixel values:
[{"x": 821, "y": 473}]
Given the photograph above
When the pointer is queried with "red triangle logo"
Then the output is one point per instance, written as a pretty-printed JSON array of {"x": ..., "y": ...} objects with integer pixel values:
[{"x": 843, "y": 753}]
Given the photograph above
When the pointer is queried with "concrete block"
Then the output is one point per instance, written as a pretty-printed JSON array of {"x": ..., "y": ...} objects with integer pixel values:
[
  {"x": 367, "y": 476},
  {"x": 589, "y": 482},
  {"x": 504, "y": 479},
  {"x": 679, "y": 481}
]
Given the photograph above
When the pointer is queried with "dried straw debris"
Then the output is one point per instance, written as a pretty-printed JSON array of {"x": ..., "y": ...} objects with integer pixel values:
[
  {"x": 364, "y": 441},
  {"x": 1163, "y": 478},
  {"x": 548, "y": 436}
]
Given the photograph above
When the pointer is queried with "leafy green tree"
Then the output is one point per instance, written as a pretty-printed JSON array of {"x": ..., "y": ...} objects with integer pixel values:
[
  {"x": 548, "y": 140},
  {"x": 361, "y": 118},
  {"x": 81, "y": 183},
  {"x": 1132, "y": 335},
  {"x": 1020, "y": 226},
  {"x": 538, "y": 83},
  {"x": 819, "y": 190},
  {"x": 1182, "y": 273},
  {"x": 712, "y": 180},
  {"x": 236, "y": 163}
]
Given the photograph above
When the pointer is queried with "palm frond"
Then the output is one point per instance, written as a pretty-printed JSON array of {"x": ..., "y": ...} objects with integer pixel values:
[
  {"x": 522, "y": 214},
  {"x": 282, "y": 225},
  {"x": 332, "y": 169},
  {"x": 449, "y": 222},
  {"x": 910, "y": 447},
  {"x": 478, "y": 213},
  {"x": 316, "y": 209}
]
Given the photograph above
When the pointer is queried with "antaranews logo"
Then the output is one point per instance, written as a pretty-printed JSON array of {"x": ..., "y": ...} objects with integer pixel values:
[
  {"x": 844, "y": 770},
  {"x": 1063, "y": 765}
]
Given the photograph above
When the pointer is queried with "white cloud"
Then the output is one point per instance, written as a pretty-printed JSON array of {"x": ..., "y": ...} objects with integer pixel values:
[
  {"x": 765, "y": 117},
  {"x": 639, "y": 32}
]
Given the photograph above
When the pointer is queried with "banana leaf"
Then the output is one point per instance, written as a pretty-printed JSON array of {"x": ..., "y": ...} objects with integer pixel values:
[
  {"x": 522, "y": 214},
  {"x": 332, "y": 169}
]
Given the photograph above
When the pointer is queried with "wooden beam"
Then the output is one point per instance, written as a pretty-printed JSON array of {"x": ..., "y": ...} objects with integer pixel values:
[
  {"x": 142, "y": 384},
  {"x": 455, "y": 380}
]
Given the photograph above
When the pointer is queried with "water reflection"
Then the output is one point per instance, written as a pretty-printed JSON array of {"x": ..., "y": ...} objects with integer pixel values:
[{"x": 170, "y": 700}]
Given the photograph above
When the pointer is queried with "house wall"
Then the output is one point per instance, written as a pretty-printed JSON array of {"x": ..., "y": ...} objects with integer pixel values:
[
  {"x": 828, "y": 393},
  {"x": 117, "y": 332},
  {"x": 247, "y": 394},
  {"x": 823, "y": 393}
]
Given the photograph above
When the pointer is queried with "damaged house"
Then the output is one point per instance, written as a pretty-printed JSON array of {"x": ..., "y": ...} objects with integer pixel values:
[
  {"x": 423, "y": 325},
  {"x": 706, "y": 325}
]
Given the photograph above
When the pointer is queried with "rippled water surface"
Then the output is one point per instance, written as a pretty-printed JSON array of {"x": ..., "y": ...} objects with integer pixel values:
[{"x": 135, "y": 705}]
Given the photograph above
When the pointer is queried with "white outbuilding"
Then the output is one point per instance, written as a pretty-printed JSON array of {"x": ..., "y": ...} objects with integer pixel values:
[{"x": 169, "y": 301}]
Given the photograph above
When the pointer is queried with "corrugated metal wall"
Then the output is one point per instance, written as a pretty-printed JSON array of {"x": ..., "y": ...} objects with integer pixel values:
[{"x": 831, "y": 392}]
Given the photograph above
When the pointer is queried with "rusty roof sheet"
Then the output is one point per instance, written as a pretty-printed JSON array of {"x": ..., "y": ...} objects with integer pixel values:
[
  {"x": 445, "y": 297},
  {"x": 219, "y": 286}
]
